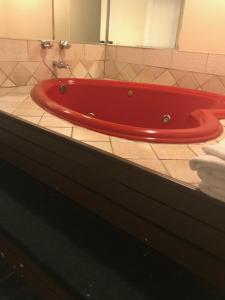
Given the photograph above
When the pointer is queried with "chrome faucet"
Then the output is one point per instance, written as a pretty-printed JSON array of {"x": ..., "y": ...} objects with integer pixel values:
[
  {"x": 60, "y": 65},
  {"x": 46, "y": 44},
  {"x": 64, "y": 45}
]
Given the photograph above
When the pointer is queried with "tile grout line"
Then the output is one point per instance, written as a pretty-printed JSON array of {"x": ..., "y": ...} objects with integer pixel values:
[{"x": 109, "y": 141}]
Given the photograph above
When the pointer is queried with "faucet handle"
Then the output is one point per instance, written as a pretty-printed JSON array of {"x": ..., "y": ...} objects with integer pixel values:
[
  {"x": 46, "y": 44},
  {"x": 64, "y": 44}
]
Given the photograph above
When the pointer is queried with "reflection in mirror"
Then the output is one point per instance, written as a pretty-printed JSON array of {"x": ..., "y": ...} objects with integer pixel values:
[
  {"x": 26, "y": 19},
  {"x": 80, "y": 21},
  {"x": 151, "y": 23}
]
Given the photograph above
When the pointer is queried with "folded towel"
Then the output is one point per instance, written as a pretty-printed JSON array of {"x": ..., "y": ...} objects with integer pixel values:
[
  {"x": 212, "y": 177},
  {"x": 212, "y": 191},
  {"x": 209, "y": 161},
  {"x": 211, "y": 170},
  {"x": 217, "y": 150}
]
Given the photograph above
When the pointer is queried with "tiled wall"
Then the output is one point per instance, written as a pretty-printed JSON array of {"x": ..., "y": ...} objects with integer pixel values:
[
  {"x": 25, "y": 62},
  {"x": 167, "y": 67}
]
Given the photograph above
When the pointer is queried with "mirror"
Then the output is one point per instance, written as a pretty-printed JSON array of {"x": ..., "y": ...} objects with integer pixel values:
[
  {"x": 148, "y": 23},
  {"x": 80, "y": 21}
]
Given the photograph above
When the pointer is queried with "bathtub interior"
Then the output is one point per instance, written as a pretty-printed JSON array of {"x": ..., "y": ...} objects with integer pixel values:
[{"x": 133, "y": 106}]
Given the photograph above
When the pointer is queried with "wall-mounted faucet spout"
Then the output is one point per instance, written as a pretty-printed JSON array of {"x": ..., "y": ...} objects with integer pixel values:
[{"x": 60, "y": 65}]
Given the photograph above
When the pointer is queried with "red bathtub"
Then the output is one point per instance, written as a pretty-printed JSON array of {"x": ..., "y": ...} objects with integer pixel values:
[{"x": 144, "y": 112}]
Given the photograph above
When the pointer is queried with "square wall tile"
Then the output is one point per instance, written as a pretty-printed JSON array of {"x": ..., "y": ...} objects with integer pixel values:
[
  {"x": 37, "y": 53},
  {"x": 158, "y": 57},
  {"x": 8, "y": 83},
  {"x": 178, "y": 74},
  {"x": 221, "y": 78},
  {"x": 97, "y": 70},
  {"x": 216, "y": 64},
  {"x": 202, "y": 78},
  {"x": 94, "y": 52},
  {"x": 111, "y": 53},
  {"x": 128, "y": 73},
  {"x": 2, "y": 77},
  {"x": 189, "y": 61},
  {"x": 21, "y": 91},
  {"x": 166, "y": 79},
  {"x": 5, "y": 91},
  {"x": 13, "y": 50},
  {"x": 42, "y": 72},
  {"x": 75, "y": 52},
  {"x": 214, "y": 85},
  {"x": 188, "y": 81},
  {"x": 7, "y": 66},
  {"x": 31, "y": 66},
  {"x": 62, "y": 73},
  {"x": 20, "y": 75},
  {"x": 111, "y": 70},
  {"x": 79, "y": 70},
  {"x": 146, "y": 75},
  {"x": 130, "y": 55}
]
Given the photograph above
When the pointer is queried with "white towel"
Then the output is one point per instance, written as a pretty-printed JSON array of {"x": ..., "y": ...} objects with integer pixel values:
[
  {"x": 217, "y": 150},
  {"x": 210, "y": 162},
  {"x": 212, "y": 191},
  {"x": 211, "y": 170},
  {"x": 212, "y": 178}
]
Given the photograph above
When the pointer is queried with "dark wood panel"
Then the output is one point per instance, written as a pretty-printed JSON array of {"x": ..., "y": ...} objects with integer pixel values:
[
  {"x": 31, "y": 273},
  {"x": 169, "y": 219},
  {"x": 197, "y": 260},
  {"x": 149, "y": 184}
]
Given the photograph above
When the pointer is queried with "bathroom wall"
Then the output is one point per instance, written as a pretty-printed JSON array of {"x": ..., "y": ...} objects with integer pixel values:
[
  {"x": 193, "y": 70},
  {"x": 16, "y": 18},
  {"x": 2, "y": 18},
  {"x": 203, "y": 26},
  {"x": 198, "y": 63},
  {"x": 24, "y": 62}
]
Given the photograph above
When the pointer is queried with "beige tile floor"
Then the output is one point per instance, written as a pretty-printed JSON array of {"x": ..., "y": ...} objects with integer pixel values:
[{"x": 168, "y": 159}]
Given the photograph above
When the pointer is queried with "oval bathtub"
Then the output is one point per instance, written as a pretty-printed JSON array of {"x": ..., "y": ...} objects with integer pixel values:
[{"x": 134, "y": 111}]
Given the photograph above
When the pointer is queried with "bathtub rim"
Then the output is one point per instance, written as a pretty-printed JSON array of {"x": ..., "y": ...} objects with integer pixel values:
[{"x": 209, "y": 125}]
